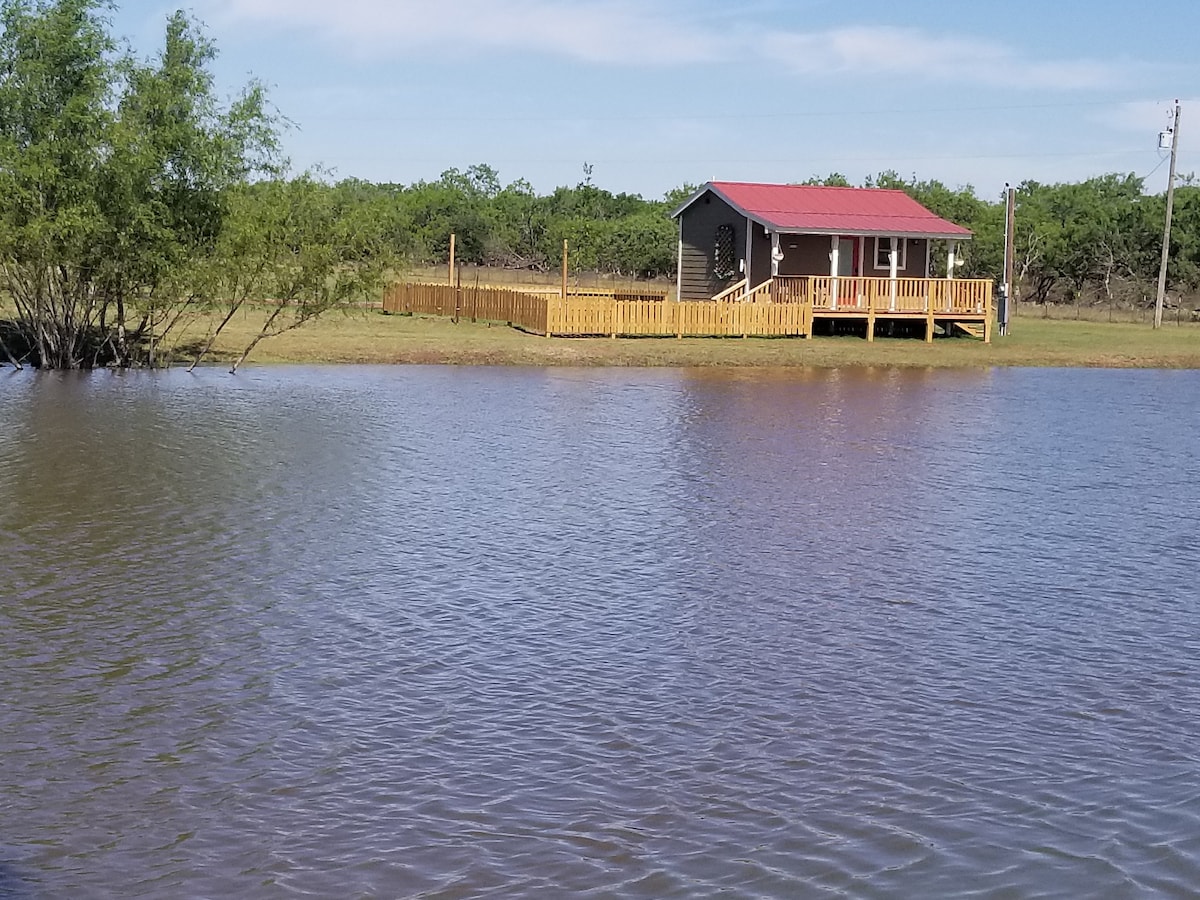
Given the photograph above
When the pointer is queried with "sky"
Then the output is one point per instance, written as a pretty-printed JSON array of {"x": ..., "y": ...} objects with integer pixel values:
[{"x": 654, "y": 94}]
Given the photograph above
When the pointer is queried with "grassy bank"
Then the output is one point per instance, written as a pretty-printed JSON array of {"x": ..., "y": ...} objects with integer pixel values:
[{"x": 367, "y": 336}]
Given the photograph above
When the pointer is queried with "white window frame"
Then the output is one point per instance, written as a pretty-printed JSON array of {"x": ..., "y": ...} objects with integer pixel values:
[{"x": 901, "y": 246}]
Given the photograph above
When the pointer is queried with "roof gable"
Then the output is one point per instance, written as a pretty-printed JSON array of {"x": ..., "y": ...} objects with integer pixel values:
[{"x": 808, "y": 209}]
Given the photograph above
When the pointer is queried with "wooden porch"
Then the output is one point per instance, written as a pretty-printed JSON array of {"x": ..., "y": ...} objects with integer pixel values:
[{"x": 952, "y": 303}]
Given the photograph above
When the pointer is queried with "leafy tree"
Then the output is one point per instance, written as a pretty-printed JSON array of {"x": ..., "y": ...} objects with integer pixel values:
[
  {"x": 112, "y": 173},
  {"x": 520, "y": 221},
  {"x": 834, "y": 179},
  {"x": 308, "y": 246},
  {"x": 301, "y": 245},
  {"x": 675, "y": 197}
]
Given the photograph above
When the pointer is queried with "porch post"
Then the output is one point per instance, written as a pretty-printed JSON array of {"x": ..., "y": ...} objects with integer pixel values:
[
  {"x": 951, "y": 263},
  {"x": 750, "y": 226},
  {"x": 834, "y": 247},
  {"x": 776, "y": 254},
  {"x": 893, "y": 270}
]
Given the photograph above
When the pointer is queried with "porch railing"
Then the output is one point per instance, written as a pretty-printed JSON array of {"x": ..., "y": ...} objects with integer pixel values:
[{"x": 882, "y": 295}]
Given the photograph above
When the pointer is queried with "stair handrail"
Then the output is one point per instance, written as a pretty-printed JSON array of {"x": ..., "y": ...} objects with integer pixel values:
[
  {"x": 732, "y": 289},
  {"x": 765, "y": 287}
]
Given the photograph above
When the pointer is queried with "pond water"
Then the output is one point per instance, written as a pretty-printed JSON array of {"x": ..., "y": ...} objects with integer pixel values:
[{"x": 457, "y": 632}]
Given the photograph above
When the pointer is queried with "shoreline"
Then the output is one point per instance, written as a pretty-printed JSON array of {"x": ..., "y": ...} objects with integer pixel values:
[{"x": 371, "y": 337}]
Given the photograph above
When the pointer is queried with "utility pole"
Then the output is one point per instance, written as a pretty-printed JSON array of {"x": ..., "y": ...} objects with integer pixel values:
[
  {"x": 1010, "y": 239},
  {"x": 1166, "y": 250}
]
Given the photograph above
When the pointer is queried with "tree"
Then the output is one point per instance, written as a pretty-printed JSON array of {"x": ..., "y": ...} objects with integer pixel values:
[
  {"x": 112, "y": 179},
  {"x": 305, "y": 246}
]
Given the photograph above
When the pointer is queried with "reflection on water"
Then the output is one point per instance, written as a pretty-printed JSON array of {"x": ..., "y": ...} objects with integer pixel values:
[{"x": 442, "y": 632}]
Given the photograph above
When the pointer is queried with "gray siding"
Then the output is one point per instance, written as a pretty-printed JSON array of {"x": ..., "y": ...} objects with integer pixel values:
[
  {"x": 914, "y": 263},
  {"x": 760, "y": 260},
  {"x": 804, "y": 254},
  {"x": 700, "y": 222}
]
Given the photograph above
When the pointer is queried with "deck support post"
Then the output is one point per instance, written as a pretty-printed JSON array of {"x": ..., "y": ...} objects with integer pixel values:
[
  {"x": 870, "y": 324},
  {"x": 987, "y": 316},
  {"x": 929, "y": 326}
]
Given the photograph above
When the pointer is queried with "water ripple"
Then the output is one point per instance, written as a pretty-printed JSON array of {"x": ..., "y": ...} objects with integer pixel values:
[{"x": 467, "y": 632}]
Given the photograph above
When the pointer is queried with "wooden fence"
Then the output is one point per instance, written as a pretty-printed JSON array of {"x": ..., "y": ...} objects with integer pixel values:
[
  {"x": 527, "y": 311},
  {"x": 669, "y": 318},
  {"x": 601, "y": 315},
  {"x": 783, "y": 306},
  {"x": 642, "y": 294}
]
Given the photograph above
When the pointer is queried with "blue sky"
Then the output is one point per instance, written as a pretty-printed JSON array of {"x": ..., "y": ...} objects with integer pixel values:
[{"x": 656, "y": 93}]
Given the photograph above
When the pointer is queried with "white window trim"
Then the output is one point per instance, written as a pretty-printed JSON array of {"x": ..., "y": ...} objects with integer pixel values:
[{"x": 901, "y": 245}]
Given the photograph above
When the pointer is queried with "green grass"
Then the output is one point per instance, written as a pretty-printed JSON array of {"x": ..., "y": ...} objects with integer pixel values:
[{"x": 368, "y": 336}]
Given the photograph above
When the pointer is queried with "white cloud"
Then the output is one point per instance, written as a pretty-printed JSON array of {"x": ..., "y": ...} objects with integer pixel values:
[
  {"x": 1147, "y": 117},
  {"x": 604, "y": 31},
  {"x": 653, "y": 32},
  {"x": 886, "y": 51}
]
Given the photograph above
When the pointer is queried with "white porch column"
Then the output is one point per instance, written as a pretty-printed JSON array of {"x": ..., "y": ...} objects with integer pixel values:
[
  {"x": 776, "y": 254},
  {"x": 748, "y": 259},
  {"x": 834, "y": 248},
  {"x": 893, "y": 270},
  {"x": 951, "y": 259},
  {"x": 679, "y": 266}
]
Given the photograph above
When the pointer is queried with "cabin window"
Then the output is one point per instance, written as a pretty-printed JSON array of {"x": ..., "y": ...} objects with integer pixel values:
[
  {"x": 723, "y": 254},
  {"x": 883, "y": 249}
]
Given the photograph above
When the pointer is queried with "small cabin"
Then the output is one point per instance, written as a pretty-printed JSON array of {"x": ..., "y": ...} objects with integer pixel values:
[{"x": 731, "y": 232}]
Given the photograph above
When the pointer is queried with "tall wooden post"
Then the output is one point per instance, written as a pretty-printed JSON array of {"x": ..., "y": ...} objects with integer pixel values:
[
  {"x": 564, "y": 270},
  {"x": 1166, "y": 247},
  {"x": 451, "y": 281},
  {"x": 1010, "y": 240}
]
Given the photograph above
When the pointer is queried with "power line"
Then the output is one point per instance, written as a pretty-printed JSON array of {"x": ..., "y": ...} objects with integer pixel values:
[
  {"x": 706, "y": 117},
  {"x": 807, "y": 160},
  {"x": 1161, "y": 163}
]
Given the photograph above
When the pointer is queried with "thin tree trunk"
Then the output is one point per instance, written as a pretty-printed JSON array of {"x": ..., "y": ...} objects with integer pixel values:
[
  {"x": 12, "y": 359},
  {"x": 216, "y": 334},
  {"x": 261, "y": 334}
]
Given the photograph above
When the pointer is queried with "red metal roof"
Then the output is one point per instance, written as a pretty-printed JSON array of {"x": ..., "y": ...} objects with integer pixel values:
[{"x": 832, "y": 210}]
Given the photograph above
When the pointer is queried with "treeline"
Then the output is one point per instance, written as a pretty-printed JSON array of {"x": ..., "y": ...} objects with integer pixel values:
[
  {"x": 1095, "y": 240},
  {"x": 512, "y": 226}
]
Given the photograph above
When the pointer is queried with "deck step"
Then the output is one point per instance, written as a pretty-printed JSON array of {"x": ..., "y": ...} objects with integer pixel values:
[{"x": 973, "y": 329}]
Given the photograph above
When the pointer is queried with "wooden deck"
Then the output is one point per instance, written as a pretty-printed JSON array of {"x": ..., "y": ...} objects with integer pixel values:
[
  {"x": 963, "y": 304},
  {"x": 783, "y": 306}
]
